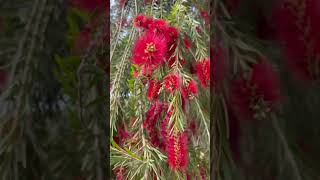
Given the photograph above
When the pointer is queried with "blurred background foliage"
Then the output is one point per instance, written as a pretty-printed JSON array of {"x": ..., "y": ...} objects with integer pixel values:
[
  {"x": 53, "y": 90},
  {"x": 284, "y": 146}
]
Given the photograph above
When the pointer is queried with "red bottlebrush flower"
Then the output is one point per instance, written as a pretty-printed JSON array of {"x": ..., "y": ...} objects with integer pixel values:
[
  {"x": 164, "y": 128},
  {"x": 193, "y": 88},
  {"x": 240, "y": 98},
  {"x": 177, "y": 151},
  {"x": 119, "y": 172},
  {"x": 139, "y": 20},
  {"x": 165, "y": 123},
  {"x": 148, "y": 23},
  {"x": 171, "y": 34},
  {"x": 155, "y": 138},
  {"x": 122, "y": 135},
  {"x": 150, "y": 50},
  {"x": 296, "y": 40},
  {"x": 205, "y": 15},
  {"x": 187, "y": 42},
  {"x": 183, "y": 141},
  {"x": 265, "y": 81},
  {"x": 142, "y": 21},
  {"x": 150, "y": 124},
  {"x": 153, "y": 90},
  {"x": 152, "y": 115},
  {"x": 159, "y": 26},
  {"x": 147, "y": 70},
  {"x": 246, "y": 94},
  {"x": 203, "y": 71},
  {"x": 188, "y": 176},
  {"x": 220, "y": 65},
  {"x": 203, "y": 173},
  {"x": 172, "y": 82},
  {"x": 190, "y": 89}
]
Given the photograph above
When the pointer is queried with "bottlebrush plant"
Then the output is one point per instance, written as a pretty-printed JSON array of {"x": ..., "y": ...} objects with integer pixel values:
[
  {"x": 157, "y": 102},
  {"x": 263, "y": 116}
]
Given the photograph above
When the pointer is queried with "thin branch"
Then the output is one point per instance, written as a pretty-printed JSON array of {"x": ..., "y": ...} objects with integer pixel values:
[{"x": 203, "y": 118}]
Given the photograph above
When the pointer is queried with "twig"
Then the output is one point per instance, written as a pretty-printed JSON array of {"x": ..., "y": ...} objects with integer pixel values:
[
  {"x": 117, "y": 34},
  {"x": 204, "y": 119}
]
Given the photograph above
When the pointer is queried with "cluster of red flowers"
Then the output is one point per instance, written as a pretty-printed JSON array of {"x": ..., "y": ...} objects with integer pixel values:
[
  {"x": 119, "y": 172},
  {"x": 154, "y": 89},
  {"x": 177, "y": 151},
  {"x": 174, "y": 145},
  {"x": 122, "y": 135},
  {"x": 203, "y": 72},
  {"x": 204, "y": 14},
  {"x": 186, "y": 42},
  {"x": 149, "y": 51},
  {"x": 155, "y": 47},
  {"x": 172, "y": 82},
  {"x": 190, "y": 89},
  {"x": 256, "y": 94},
  {"x": 301, "y": 45},
  {"x": 158, "y": 136}
]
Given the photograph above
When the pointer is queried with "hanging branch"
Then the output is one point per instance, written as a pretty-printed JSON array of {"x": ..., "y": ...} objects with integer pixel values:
[{"x": 17, "y": 121}]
